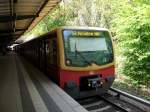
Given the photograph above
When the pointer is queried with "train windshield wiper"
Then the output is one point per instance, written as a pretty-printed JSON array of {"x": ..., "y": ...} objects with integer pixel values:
[{"x": 80, "y": 54}]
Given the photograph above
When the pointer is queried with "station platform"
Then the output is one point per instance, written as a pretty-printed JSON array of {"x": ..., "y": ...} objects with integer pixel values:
[{"x": 23, "y": 88}]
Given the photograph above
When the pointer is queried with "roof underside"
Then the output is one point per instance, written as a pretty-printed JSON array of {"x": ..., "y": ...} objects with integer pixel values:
[{"x": 19, "y": 16}]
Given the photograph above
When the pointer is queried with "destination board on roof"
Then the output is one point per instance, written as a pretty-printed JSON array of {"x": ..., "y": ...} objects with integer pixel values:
[{"x": 86, "y": 33}]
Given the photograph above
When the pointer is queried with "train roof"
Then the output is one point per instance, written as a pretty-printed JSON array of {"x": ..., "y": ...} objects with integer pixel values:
[
  {"x": 68, "y": 27},
  {"x": 83, "y": 28}
]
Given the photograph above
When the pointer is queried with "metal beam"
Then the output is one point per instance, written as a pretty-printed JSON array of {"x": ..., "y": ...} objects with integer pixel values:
[
  {"x": 11, "y": 11},
  {"x": 6, "y": 35},
  {"x": 42, "y": 6},
  {"x": 9, "y": 35},
  {"x": 11, "y": 31},
  {"x": 44, "y": 3},
  {"x": 16, "y": 30},
  {"x": 7, "y": 18}
]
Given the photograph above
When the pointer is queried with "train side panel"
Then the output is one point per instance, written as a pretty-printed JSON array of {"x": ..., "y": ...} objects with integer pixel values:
[{"x": 52, "y": 58}]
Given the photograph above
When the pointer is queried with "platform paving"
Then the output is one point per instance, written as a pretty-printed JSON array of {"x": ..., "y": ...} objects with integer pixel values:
[{"x": 23, "y": 88}]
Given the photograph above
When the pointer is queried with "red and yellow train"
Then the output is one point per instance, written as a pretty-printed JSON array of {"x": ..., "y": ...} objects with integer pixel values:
[{"x": 79, "y": 59}]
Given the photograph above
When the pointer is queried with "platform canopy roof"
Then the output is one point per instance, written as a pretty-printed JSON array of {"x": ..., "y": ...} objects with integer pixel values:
[{"x": 20, "y": 16}]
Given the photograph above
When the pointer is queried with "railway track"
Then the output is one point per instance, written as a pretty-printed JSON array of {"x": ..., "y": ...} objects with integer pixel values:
[{"x": 115, "y": 101}]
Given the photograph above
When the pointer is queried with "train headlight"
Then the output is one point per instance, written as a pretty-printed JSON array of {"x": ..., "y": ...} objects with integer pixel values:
[
  {"x": 68, "y": 62},
  {"x": 89, "y": 84}
]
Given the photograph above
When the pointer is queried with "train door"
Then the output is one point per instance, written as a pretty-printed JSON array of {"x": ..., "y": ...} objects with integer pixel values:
[{"x": 51, "y": 54}]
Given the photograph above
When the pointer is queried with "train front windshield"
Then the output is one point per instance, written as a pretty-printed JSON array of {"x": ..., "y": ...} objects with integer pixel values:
[{"x": 84, "y": 47}]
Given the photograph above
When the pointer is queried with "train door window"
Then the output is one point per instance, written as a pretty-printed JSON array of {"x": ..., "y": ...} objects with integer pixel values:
[
  {"x": 52, "y": 52},
  {"x": 47, "y": 51}
]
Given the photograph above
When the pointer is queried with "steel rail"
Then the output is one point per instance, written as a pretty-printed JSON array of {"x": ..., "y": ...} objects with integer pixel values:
[
  {"x": 102, "y": 98},
  {"x": 113, "y": 104},
  {"x": 119, "y": 92},
  {"x": 137, "y": 102}
]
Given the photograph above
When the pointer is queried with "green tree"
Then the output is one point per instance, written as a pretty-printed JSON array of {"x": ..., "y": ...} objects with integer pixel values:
[{"x": 134, "y": 37}]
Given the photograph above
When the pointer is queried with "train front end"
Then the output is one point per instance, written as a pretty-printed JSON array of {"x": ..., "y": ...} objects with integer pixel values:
[{"x": 87, "y": 61}]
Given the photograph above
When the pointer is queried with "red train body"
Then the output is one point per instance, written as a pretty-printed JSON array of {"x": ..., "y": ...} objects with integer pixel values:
[{"x": 79, "y": 60}]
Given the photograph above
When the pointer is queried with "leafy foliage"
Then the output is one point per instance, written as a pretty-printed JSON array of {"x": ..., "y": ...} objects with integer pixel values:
[{"x": 134, "y": 39}]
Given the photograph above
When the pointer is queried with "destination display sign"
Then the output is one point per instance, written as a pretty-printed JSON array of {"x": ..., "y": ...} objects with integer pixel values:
[{"x": 86, "y": 33}]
